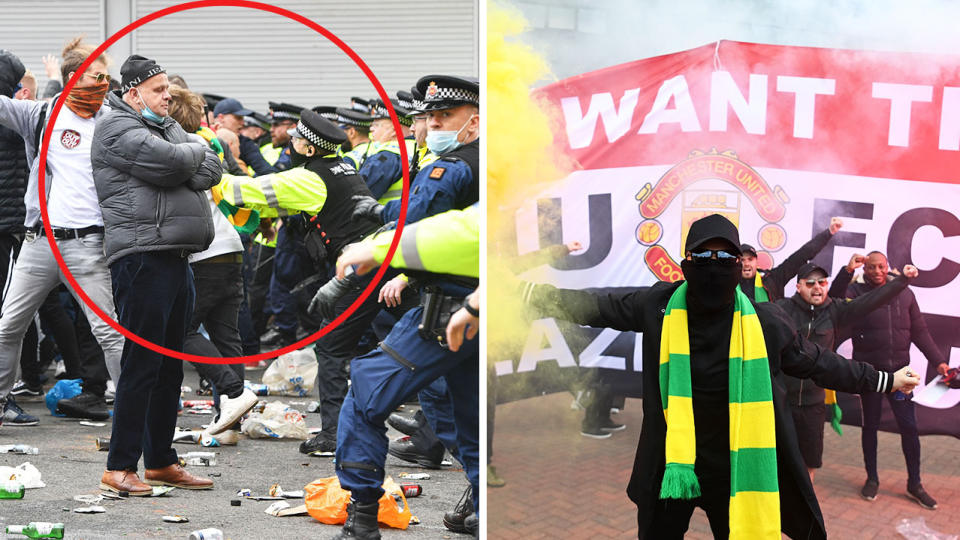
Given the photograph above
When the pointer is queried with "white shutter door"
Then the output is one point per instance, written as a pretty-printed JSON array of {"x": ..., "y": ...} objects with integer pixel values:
[
  {"x": 257, "y": 56},
  {"x": 32, "y": 29}
]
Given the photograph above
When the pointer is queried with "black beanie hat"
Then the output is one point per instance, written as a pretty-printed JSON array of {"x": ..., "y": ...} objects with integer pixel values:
[{"x": 136, "y": 70}]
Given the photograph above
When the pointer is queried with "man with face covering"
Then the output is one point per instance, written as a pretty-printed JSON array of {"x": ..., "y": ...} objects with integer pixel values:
[
  {"x": 823, "y": 320},
  {"x": 883, "y": 339},
  {"x": 452, "y": 107},
  {"x": 75, "y": 218},
  {"x": 716, "y": 431},
  {"x": 151, "y": 181}
]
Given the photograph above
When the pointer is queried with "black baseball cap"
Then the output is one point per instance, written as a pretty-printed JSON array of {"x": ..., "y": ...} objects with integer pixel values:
[
  {"x": 808, "y": 269},
  {"x": 710, "y": 227},
  {"x": 747, "y": 249}
]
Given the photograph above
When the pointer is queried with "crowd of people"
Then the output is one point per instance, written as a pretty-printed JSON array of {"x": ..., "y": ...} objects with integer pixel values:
[
  {"x": 744, "y": 379},
  {"x": 206, "y": 227}
]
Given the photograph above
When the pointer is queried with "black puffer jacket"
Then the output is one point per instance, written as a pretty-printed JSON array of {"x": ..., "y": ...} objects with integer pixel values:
[
  {"x": 822, "y": 324},
  {"x": 882, "y": 338},
  {"x": 151, "y": 181},
  {"x": 13, "y": 158}
]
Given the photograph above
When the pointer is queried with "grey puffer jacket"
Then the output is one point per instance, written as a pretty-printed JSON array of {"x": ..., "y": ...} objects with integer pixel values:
[{"x": 150, "y": 181}]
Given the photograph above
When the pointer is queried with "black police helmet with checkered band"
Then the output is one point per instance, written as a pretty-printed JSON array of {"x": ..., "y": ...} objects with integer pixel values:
[
  {"x": 378, "y": 110},
  {"x": 327, "y": 111},
  {"x": 417, "y": 96},
  {"x": 318, "y": 131},
  {"x": 284, "y": 111},
  {"x": 405, "y": 99},
  {"x": 448, "y": 91},
  {"x": 353, "y": 117}
]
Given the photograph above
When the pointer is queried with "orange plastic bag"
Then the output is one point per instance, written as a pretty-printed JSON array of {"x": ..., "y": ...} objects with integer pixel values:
[{"x": 327, "y": 503}]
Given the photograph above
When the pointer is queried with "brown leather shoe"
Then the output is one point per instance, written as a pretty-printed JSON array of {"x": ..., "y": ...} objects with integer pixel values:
[
  {"x": 128, "y": 481},
  {"x": 176, "y": 476}
]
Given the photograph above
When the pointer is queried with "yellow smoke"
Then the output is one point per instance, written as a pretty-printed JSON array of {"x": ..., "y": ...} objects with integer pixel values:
[{"x": 521, "y": 162}]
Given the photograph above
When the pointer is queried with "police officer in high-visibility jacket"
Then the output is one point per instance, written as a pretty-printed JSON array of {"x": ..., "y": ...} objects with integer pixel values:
[
  {"x": 423, "y": 156},
  {"x": 410, "y": 358},
  {"x": 284, "y": 117},
  {"x": 383, "y": 168},
  {"x": 356, "y": 125},
  {"x": 452, "y": 181},
  {"x": 320, "y": 185}
]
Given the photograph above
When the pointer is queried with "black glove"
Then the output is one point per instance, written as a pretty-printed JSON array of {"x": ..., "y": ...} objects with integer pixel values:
[
  {"x": 230, "y": 163},
  {"x": 366, "y": 207},
  {"x": 325, "y": 301}
]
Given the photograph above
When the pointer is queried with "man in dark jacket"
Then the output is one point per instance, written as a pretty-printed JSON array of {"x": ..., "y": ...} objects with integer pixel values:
[
  {"x": 712, "y": 269},
  {"x": 821, "y": 319},
  {"x": 883, "y": 339},
  {"x": 767, "y": 285},
  {"x": 150, "y": 182}
]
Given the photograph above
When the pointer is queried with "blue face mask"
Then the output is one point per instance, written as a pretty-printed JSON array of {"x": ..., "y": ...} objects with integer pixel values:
[
  {"x": 441, "y": 142},
  {"x": 149, "y": 114}
]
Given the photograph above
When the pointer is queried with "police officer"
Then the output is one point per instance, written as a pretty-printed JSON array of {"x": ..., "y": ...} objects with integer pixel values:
[
  {"x": 284, "y": 117},
  {"x": 321, "y": 186},
  {"x": 357, "y": 127},
  {"x": 453, "y": 134},
  {"x": 383, "y": 170},
  {"x": 423, "y": 156},
  {"x": 409, "y": 359}
]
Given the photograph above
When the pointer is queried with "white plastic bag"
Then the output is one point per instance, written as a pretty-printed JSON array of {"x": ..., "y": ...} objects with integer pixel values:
[
  {"x": 917, "y": 529},
  {"x": 26, "y": 474},
  {"x": 293, "y": 374},
  {"x": 277, "y": 421}
]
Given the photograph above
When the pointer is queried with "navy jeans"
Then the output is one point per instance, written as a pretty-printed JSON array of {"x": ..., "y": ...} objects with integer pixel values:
[
  {"x": 154, "y": 296},
  {"x": 909, "y": 438}
]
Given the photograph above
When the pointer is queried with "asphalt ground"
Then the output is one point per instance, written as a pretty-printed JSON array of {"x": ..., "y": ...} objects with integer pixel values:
[{"x": 71, "y": 465}]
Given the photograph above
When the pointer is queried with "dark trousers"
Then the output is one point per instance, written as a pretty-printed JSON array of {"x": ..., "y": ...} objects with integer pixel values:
[
  {"x": 382, "y": 379},
  {"x": 909, "y": 438},
  {"x": 437, "y": 406},
  {"x": 335, "y": 350},
  {"x": 219, "y": 289},
  {"x": 259, "y": 267},
  {"x": 154, "y": 296},
  {"x": 671, "y": 517},
  {"x": 93, "y": 365},
  {"x": 9, "y": 249}
]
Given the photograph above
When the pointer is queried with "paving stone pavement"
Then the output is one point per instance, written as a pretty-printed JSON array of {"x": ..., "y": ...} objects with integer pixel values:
[{"x": 563, "y": 485}]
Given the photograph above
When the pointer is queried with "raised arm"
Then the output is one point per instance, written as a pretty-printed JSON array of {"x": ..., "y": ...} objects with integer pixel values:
[
  {"x": 618, "y": 311},
  {"x": 787, "y": 270}
]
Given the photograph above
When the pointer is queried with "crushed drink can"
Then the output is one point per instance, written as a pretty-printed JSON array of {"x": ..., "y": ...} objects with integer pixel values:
[
  {"x": 411, "y": 490},
  {"x": 103, "y": 444}
]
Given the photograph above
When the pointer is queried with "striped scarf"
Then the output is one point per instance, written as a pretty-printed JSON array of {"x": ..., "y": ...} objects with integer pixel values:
[
  {"x": 244, "y": 220},
  {"x": 754, "y": 493},
  {"x": 759, "y": 293}
]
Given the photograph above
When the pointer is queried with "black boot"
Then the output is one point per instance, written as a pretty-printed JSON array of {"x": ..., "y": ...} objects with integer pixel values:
[
  {"x": 361, "y": 522},
  {"x": 455, "y": 521}
]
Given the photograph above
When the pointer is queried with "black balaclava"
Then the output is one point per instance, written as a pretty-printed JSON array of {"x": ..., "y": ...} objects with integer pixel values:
[{"x": 711, "y": 286}]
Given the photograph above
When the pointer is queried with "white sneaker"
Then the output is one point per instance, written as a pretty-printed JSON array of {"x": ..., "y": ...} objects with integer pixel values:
[{"x": 232, "y": 410}]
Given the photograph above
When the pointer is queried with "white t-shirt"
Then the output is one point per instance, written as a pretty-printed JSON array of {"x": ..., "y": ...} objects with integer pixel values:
[{"x": 73, "y": 202}]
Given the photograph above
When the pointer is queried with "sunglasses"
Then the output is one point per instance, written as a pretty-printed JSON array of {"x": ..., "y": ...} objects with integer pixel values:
[
  {"x": 811, "y": 282},
  {"x": 100, "y": 77},
  {"x": 720, "y": 255}
]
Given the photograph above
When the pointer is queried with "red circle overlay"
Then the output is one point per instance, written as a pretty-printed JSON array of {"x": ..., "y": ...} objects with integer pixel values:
[{"x": 222, "y": 3}]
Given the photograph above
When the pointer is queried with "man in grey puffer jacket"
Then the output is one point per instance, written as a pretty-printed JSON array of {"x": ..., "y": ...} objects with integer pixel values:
[{"x": 150, "y": 182}]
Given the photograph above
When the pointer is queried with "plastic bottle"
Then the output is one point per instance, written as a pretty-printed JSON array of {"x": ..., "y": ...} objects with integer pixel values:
[
  {"x": 11, "y": 489},
  {"x": 38, "y": 529},
  {"x": 204, "y": 459},
  {"x": 207, "y": 534}
]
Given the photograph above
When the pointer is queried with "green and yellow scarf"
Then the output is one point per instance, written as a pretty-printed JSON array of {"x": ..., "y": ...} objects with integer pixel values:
[
  {"x": 754, "y": 492},
  {"x": 759, "y": 293}
]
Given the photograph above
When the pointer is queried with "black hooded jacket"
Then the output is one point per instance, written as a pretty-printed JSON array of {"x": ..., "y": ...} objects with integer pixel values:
[{"x": 824, "y": 323}]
